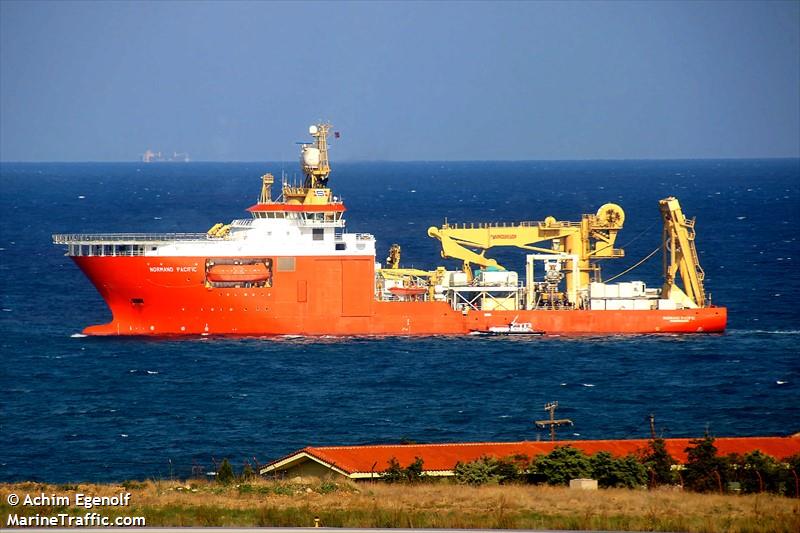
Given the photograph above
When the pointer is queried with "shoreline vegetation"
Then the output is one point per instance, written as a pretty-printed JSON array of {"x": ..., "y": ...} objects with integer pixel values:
[
  {"x": 432, "y": 504},
  {"x": 708, "y": 494}
]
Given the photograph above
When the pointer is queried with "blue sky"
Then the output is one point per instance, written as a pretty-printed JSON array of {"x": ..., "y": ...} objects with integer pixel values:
[{"x": 103, "y": 81}]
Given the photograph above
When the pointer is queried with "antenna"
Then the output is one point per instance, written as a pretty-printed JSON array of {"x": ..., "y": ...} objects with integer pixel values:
[
  {"x": 314, "y": 158},
  {"x": 552, "y": 422}
]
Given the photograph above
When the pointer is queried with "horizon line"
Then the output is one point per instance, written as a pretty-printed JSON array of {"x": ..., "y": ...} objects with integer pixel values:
[{"x": 604, "y": 159}]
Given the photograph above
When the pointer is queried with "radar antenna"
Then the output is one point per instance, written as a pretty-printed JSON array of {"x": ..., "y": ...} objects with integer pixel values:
[{"x": 314, "y": 157}]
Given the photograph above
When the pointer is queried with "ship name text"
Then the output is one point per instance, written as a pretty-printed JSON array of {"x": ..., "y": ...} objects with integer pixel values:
[{"x": 173, "y": 269}]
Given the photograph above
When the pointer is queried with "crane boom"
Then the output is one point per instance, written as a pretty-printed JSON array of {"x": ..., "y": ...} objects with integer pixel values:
[
  {"x": 590, "y": 239},
  {"x": 680, "y": 257}
]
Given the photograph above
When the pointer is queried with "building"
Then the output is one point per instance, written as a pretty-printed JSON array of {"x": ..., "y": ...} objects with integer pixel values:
[{"x": 439, "y": 460}]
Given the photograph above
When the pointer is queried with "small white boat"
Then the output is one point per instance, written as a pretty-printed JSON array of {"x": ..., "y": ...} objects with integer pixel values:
[{"x": 513, "y": 328}]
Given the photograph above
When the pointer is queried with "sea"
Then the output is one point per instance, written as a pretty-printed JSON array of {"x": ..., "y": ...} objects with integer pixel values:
[{"x": 75, "y": 408}]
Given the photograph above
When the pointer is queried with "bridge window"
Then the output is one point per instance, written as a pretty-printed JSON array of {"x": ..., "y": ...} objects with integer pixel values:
[{"x": 318, "y": 234}]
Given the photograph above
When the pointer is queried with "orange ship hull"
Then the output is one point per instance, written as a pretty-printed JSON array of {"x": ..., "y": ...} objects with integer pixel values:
[{"x": 325, "y": 295}]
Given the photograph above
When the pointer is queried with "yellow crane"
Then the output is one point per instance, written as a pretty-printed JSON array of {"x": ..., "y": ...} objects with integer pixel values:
[
  {"x": 680, "y": 257},
  {"x": 393, "y": 259},
  {"x": 590, "y": 239}
]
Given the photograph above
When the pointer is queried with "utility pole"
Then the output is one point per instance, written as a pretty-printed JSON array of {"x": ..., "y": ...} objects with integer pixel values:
[
  {"x": 552, "y": 423},
  {"x": 652, "y": 426}
]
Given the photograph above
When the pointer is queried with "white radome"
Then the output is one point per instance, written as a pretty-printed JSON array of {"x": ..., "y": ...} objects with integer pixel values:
[
  {"x": 312, "y": 130},
  {"x": 310, "y": 157}
]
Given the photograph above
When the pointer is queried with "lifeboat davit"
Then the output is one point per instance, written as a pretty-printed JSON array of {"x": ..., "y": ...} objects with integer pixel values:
[{"x": 238, "y": 273}]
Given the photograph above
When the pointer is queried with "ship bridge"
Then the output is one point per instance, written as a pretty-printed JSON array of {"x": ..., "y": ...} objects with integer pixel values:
[
  {"x": 305, "y": 219},
  {"x": 328, "y": 214}
]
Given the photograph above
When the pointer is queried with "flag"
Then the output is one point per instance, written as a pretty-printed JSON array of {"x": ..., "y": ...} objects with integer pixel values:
[{"x": 336, "y": 134}]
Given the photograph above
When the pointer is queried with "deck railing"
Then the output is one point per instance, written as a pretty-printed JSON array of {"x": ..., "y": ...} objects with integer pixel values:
[{"x": 122, "y": 238}]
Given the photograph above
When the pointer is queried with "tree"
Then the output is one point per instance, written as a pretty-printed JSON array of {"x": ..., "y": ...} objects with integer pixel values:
[
  {"x": 632, "y": 473},
  {"x": 756, "y": 472},
  {"x": 612, "y": 472},
  {"x": 414, "y": 471},
  {"x": 561, "y": 465},
  {"x": 705, "y": 472},
  {"x": 790, "y": 475},
  {"x": 658, "y": 462},
  {"x": 490, "y": 470},
  {"x": 477, "y": 472},
  {"x": 247, "y": 472},
  {"x": 395, "y": 473},
  {"x": 512, "y": 468},
  {"x": 225, "y": 473}
]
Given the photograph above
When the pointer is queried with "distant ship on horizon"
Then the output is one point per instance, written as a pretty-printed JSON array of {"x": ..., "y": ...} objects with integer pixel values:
[{"x": 150, "y": 156}]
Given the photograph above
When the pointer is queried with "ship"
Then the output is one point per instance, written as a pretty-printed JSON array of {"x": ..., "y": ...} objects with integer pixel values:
[
  {"x": 150, "y": 156},
  {"x": 292, "y": 268},
  {"x": 513, "y": 328}
]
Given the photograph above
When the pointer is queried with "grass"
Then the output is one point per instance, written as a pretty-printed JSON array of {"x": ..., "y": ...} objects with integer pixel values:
[{"x": 269, "y": 503}]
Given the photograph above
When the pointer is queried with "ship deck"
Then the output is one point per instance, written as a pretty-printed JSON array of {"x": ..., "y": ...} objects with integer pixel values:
[
  {"x": 125, "y": 244},
  {"x": 125, "y": 238}
]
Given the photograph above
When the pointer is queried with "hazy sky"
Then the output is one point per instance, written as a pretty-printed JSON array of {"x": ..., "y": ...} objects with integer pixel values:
[{"x": 104, "y": 81}]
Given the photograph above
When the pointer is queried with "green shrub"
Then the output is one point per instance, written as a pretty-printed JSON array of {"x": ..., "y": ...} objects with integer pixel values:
[
  {"x": 705, "y": 471},
  {"x": 561, "y": 465},
  {"x": 790, "y": 476},
  {"x": 225, "y": 473},
  {"x": 395, "y": 473},
  {"x": 247, "y": 472},
  {"x": 478, "y": 472},
  {"x": 489, "y": 470},
  {"x": 756, "y": 472},
  {"x": 617, "y": 472},
  {"x": 284, "y": 490},
  {"x": 328, "y": 486},
  {"x": 414, "y": 471},
  {"x": 658, "y": 463}
]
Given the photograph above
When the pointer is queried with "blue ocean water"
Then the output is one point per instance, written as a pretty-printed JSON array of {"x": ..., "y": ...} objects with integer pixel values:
[{"x": 74, "y": 409}]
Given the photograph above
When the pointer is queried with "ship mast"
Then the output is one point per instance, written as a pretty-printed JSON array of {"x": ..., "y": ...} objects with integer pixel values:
[{"x": 314, "y": 159}]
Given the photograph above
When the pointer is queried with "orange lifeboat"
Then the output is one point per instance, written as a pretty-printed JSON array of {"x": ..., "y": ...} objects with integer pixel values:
[
  {"x": 408, "y": 291},
  {"x": 238, "y": 273}
]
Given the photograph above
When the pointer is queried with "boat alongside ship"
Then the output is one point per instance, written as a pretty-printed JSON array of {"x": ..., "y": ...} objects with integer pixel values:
[
  {"x": 291, "y": 268},
  {"x": 513, "y": 328}
]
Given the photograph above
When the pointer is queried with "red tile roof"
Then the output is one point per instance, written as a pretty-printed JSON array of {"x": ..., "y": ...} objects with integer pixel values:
[{"x": 443, "y": 457}]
